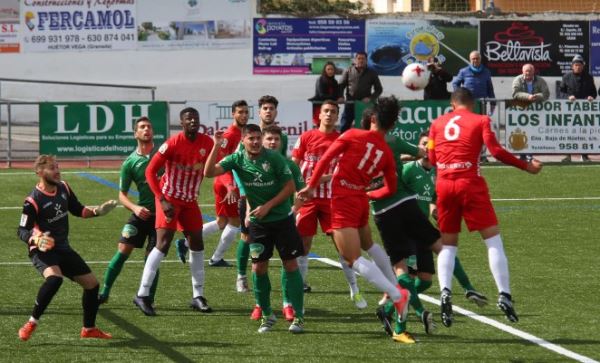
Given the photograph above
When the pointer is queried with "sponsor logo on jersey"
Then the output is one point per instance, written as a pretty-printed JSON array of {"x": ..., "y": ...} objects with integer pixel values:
[
  {"x": 163, "y": 148},
  {"x": 23, "y": 222}
]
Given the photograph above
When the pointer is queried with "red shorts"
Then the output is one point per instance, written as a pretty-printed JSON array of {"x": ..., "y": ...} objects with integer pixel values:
[
  {"x": 222, "y": 208},
  {"x": 349, "y": 211},
  {"x": 187, "y": 216},
  {"x": 467, "y": 198},
  {"x": 316, "y": 210}
]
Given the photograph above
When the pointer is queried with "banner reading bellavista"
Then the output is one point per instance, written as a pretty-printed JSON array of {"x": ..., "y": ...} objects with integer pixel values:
[
  {"x": 554, "y": 127},
  {"x": 392, "y": 44},
  {"x": 100, "y": 128},
  {"x": 302, "y": 46},
  {"x": 549, "y": 45},
  {"x": 294, "y": 117},
  {"x": 77, "y": 25}
]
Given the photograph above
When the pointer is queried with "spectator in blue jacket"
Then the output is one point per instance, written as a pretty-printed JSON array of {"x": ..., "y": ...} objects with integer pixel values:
[{"x": 475, "y": 77}]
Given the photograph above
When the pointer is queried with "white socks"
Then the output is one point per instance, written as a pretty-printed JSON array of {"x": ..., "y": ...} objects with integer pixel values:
[
  {"x": 369, "y": 271},
  {"x": 498, "y": 263},
  {"x": 197, "y": 271},
  {"x": 149, "y": 273},
  {"x": 445, "y": 266},
  {"x": 382, "y": 260},
  {"x": 303, "y": 266},
  {"x": 209, "y": 228},
  {"x": 350, "y": 276},
  {"x": 227, "y": 238}
]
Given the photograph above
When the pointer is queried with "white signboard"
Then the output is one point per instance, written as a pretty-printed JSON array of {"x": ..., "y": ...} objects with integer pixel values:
[
  {"x": 78, "y": 25},
  {"x": 294, "y": 117},
  {"x": 554, "y": 127},
  {"x": 188, "y": 24}
]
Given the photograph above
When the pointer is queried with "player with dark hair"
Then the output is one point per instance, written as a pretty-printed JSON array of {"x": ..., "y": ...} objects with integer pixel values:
[
  {"x": 140, "y": 225},
  {"x": 268, "y": 183},
  {"x": 363, "y": 154},
  {"x": 455, "y": 141},
  {"x": 182, "y": 156},
  {"x": 44, "y": 227},
  {"x": 308, "y": 150}
]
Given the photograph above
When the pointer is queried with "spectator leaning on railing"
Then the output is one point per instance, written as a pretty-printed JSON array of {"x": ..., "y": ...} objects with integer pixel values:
[
  {"x": 527, "y": 87},
  {"x": 578, "y": 85}
]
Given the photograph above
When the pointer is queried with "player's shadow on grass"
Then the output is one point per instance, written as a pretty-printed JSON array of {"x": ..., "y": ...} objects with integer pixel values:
[{"x": 143, "y": 339}]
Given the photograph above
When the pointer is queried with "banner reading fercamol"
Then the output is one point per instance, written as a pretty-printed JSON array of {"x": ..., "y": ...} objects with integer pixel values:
[
  {"x": 77, "y": 25},
  {"x": 97, "y": 128},
  {"x": 554, "y": 127}
]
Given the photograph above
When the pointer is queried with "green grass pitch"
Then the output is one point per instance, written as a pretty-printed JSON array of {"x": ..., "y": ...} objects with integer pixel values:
[{"x": 549, "y": 227}]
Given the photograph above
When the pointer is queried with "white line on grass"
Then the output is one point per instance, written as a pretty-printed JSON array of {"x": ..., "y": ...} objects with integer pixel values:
[{"x": 482, "y": 319}]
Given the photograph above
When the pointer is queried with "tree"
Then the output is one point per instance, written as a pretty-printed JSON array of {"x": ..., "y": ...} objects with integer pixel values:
[
  {"x": 312, "y": 7},
  {"x": 449, "y": 5}
]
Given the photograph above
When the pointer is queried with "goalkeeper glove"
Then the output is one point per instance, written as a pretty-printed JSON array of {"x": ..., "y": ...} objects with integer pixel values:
[
  {"x": 43, "y": 241},
  {"x": 105, "y": 208}
]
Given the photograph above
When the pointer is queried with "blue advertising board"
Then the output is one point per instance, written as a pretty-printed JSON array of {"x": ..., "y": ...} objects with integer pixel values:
[{"x": 302, "y": 46}]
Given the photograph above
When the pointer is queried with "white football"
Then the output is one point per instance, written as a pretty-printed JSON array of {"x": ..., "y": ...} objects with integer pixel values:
[{"x": 415, "y": 76}]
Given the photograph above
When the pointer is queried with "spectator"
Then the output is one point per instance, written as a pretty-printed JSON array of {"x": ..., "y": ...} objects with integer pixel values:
[
  {"x": 358, "y": 80},
  {"x": 478, "y": 79},
  {"x": 529, "y": 88},
  {"x": 578, "y": 85},
  {"x": 436, "y": 88},
  {"x": 326, "y": 88}
]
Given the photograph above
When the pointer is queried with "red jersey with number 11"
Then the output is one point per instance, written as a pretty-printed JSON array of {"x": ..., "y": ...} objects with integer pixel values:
[
  {"x": 456, "y": 140},
  {"x": 364, "y": 155}
]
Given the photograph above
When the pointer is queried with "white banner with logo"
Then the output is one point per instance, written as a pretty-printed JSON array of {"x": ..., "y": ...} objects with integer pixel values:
[
  {"x": 294, "y": 117},
  {"x": 187, "y": 24},
  {"x": 9, "y": 26},
  {"x": 78, "y": 25},
  {"x": 554, "y": 127}
]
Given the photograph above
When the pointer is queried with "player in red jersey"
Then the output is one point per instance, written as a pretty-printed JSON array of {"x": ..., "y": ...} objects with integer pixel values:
[
  {"x": 308, "y": 150},
  {"x": 225, "y": 189},
  {"x": 182, "y": 157},
  {"x": 455, "y": 141},
  {"x": 362, "y": 156}
]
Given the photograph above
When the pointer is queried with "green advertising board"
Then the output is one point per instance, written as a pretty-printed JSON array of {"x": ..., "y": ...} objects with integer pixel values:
[
  {"x": 414, "y": 118},
  {"x": 97, "y": 128}
]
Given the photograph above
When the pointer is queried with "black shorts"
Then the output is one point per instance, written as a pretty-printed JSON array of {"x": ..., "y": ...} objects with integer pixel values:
[
  {"x": 424, "y": 261},
  {"x": 136, "y": 231},
  {"x": 242, "y": 209},
  {"x": 281, "y": 234},
  {"x": 404, "y": 230},
  {"x": 69, "y": 261}
]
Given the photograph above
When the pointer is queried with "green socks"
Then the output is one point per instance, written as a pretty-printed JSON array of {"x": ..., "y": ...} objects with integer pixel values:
[
  {"x": 422, "y": 285},
  {"x": 242, "y": 254},
  {"x": 112, "y": 271},
  {"x": 284, "y": 284},
  {"x": 408, "y": 283},
  {"x": 461, "y": 275},
  {"x": 262, "y": 292},
  {"x": 294, "y": 290}
]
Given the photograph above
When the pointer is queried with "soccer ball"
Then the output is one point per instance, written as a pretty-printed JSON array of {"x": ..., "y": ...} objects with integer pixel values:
[{"x": 415, "y": 76}]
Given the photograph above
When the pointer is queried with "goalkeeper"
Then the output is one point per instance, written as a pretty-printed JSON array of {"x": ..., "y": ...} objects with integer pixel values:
[{"x": 44, "y": 227}]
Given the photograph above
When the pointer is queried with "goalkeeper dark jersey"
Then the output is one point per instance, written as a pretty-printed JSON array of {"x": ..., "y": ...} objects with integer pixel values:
[{"x": 49, "y": 213}]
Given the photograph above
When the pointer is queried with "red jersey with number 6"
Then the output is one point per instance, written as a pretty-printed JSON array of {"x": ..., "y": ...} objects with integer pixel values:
[
  {"x": 363, "y": 156},
  {"x": 456, "y": 140}
]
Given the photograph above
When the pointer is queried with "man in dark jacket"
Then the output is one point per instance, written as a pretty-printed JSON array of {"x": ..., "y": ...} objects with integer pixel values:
[
  {"x": 437, "y": 87},
  {"x": 578, "y": 85}
]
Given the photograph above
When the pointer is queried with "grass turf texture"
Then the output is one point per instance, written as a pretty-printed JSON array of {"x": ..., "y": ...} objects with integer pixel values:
[{"x": 552, "y": 247}]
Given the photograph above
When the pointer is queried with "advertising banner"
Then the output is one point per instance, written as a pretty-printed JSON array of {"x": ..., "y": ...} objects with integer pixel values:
[
  {"x": 99, "y": 128},
  {"x": 549, "y": 45},
  {"x": 554, "y": 127},
  {"x": 78, "y": 25},
  {"x": 192, "y": 24},
  {"x": 9, "y": 26},
  {"x": 302, "y": 46},
  {"x": 392, "y": 44},
  {"x": 294, "y": 117},
  {"x": 595, "y": 48}
]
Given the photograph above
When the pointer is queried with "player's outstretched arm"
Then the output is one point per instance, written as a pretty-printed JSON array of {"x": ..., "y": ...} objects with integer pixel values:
[
  {"x": 534, "y": 166},
  {"x": 101, "y": 210}
]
